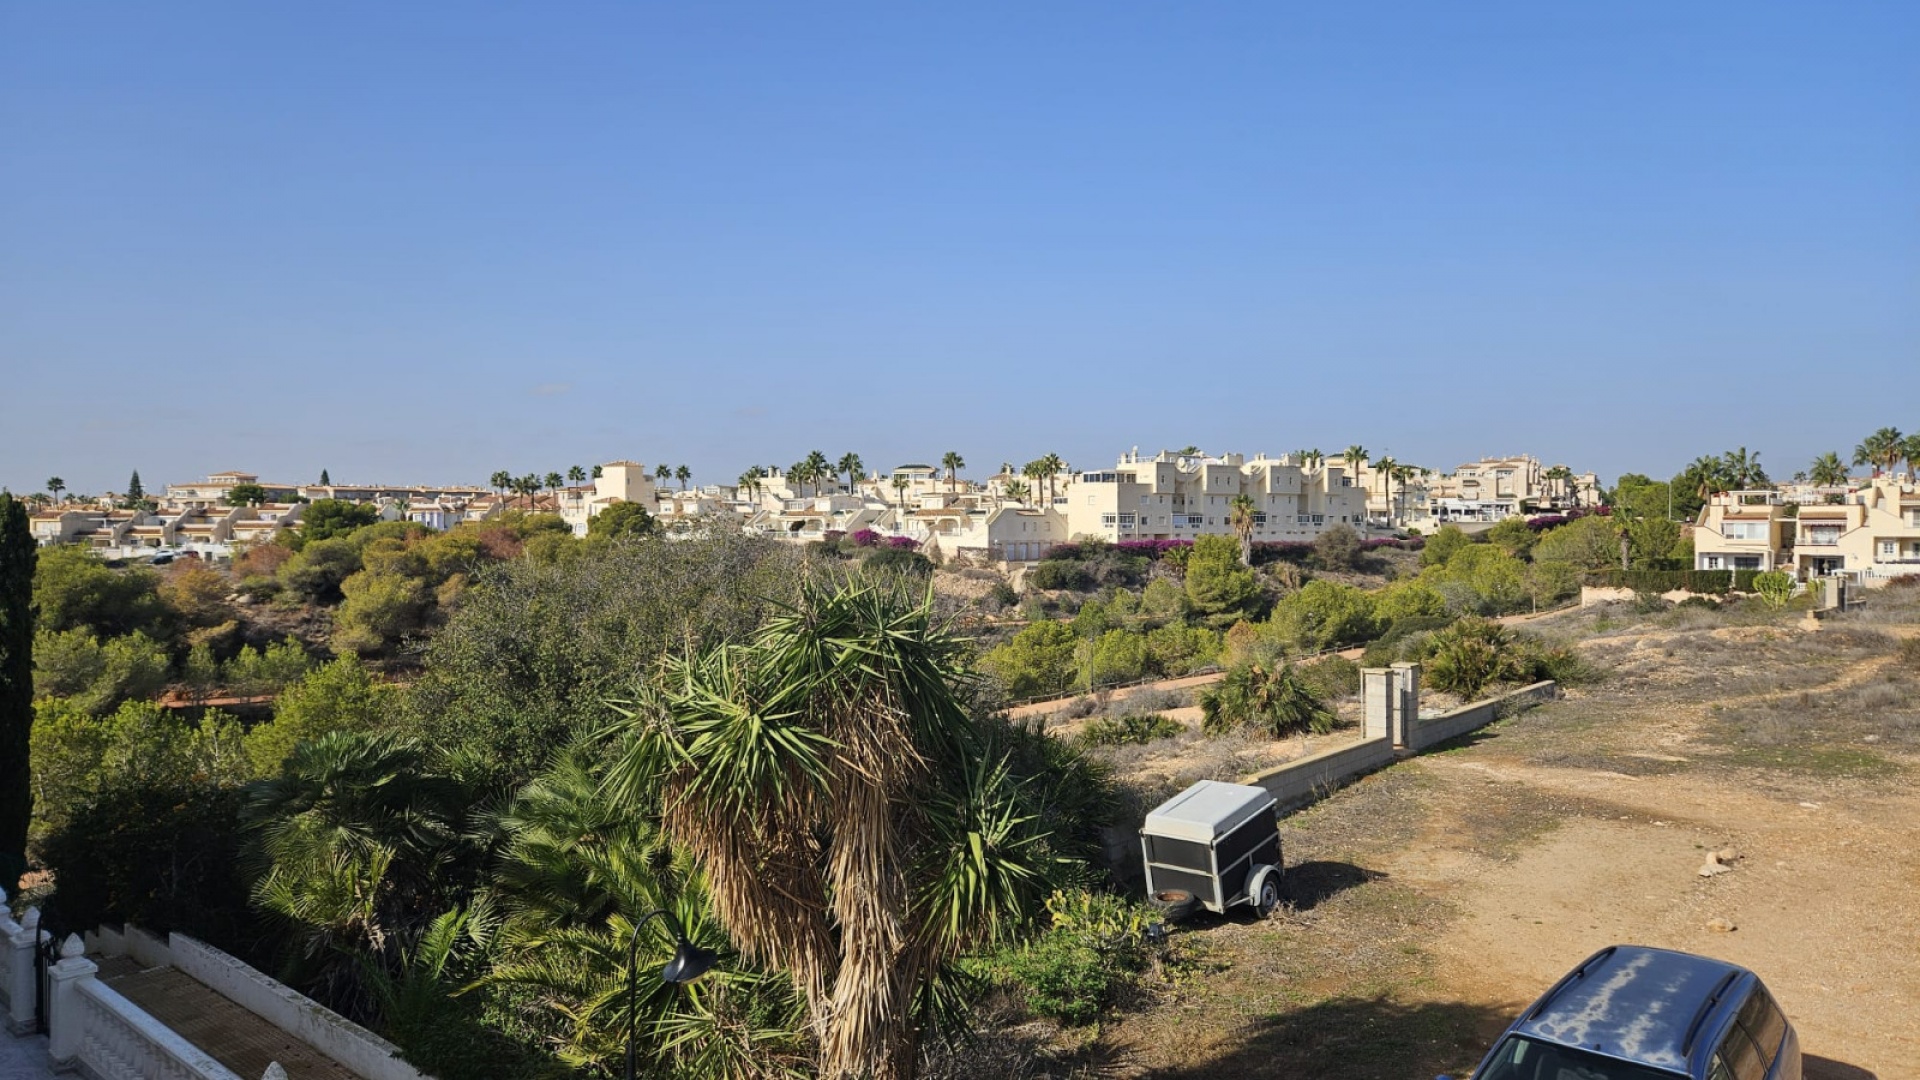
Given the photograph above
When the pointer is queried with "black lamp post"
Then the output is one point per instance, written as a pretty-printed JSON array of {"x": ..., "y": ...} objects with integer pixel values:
[{"x": 689, "y": 962}]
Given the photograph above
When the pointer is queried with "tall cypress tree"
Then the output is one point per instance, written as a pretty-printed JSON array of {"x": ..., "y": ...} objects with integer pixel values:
[
  {"x": 324, "y": 482},
  {"x": 17, "y": 557},
  {"x": 134, "y": 491}
]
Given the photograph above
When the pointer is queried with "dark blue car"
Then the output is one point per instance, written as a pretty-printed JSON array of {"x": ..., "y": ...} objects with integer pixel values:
[{"x": 1633, "y": 1013}]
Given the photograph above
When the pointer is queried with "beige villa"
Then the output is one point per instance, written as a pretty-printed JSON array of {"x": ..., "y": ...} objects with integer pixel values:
[
  {"x": 1172, "y": 496},
  {"x": 1870, "y": 534}
]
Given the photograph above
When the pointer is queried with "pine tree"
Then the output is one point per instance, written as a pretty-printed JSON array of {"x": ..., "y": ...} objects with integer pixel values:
[
  {"x": 325, "y": 481},
  {"x": 134, "y": 491},
  {"x": 17, "y": 557}
]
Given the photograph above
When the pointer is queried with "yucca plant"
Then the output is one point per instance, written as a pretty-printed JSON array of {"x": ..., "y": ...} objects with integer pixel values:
[
  {"x": 856, "y": 828},
  {"x": 1277, "y": 702}
]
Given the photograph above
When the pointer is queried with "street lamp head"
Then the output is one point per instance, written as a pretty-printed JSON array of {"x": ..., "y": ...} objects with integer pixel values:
[{"x": 689, "y": 962}]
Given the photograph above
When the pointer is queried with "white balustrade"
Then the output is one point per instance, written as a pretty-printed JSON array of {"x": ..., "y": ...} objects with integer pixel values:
[
  {"x": 17, "y": 942},
  {"x": 92, "y": 1027}
]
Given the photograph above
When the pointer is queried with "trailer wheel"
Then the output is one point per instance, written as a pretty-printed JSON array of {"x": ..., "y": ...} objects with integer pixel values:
[
  {"x": 1175, "y": 904},
  {"x": 1266, "y": 891}
]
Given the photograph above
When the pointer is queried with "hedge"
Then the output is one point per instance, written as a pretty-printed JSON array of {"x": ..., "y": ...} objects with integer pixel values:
[
  {"x": 1709, "y": 582},
  {"x": 1264, "y": 551}
]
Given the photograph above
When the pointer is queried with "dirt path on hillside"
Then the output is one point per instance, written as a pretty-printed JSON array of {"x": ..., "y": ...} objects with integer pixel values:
[
  {"x": 1433, "y": 900},
  {"x": 1820, "y": 898}
]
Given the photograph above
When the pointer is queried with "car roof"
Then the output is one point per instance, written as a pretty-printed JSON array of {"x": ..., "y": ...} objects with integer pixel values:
[{"x": 1650, "y": 1006}]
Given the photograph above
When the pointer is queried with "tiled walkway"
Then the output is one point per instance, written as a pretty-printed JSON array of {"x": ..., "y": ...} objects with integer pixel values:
[
  {"x": 24, "y": 1058},
  {"x": 235, "y": 1037}
]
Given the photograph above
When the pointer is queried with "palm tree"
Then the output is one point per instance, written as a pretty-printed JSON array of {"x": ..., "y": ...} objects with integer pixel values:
[
  {"x": 857, "y": 829},
  {"x": 1240, "y": 516},
  {"x": 1827, "y": 470},
  {"x": 1036, "y": 471},
  {"x": 683, "y": 474},
  {"x": 1744, "y": 468},
  {"x": 1402, "y": 474},
  {"x": 953, "y": 463},
  {"x": 1353, "y": 456},
  {"x": 555, "y": 481},
  {"x": 1911, "y": 451},
  {"x": 1314, "y": 457},
  {"x": 1883, "y": 450},
  {"x": 1016, "y": 490},
  {"x": 750, "y": 480},
  {"x": 851, "y": 464},
  {"x": 55, "y": 486},
  {"x": 818, "y": 469},
  {"x": 501, "y": 480},
  {"x": 577, "y": 475},
  {"x": 1710, "y": 474},
  {"x": 662, "y": 473},
  {"x": 1055, "y": 466},
  {"x": 900, "y": 489},
  {"x": 1384, "y": 467},
  {"x": 530, "y": 485},
  {"x": 798, "y": 475},
  {"x": 356, "y": 831}
]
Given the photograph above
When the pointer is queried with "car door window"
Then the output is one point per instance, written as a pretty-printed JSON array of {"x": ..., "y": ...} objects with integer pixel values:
[
  {"x": 1761, "y": 1019},
  {"x": 1744, "y": 1057},
  {"x": 1721, "y": 1070}
]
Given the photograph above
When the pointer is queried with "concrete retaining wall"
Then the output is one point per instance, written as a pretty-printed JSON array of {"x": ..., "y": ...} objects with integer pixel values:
[
  {"x": 1432, "y": 731},
  {"x": 1313, "y": 777}
]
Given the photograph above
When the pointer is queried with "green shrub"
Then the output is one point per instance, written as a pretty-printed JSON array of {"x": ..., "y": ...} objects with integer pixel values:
[
  {"x": 1441, "y": 546},
  {"x": 1128, "y": 730},
  {"x": 1116, "y": 656},
  {"x": 1468, "y": 656},
  {"x": 1219, "y": 587},
  {"x": 898, "y": 560},
  {"x": 1039, "y": 660},
  {"x": 1775, "y": 588},
  {"x": 1055, "y": 574},
  {"x": 1332, "y": 677},
  {"x": 1474, "y": 653},
  {"x": 1323, "y": 615},
  {"x": 1178, "y": 650},
  {"x": 1399, "y": 637},
  {"x": 1278, "y": 702},
  {"x": 1095, "y": 946}
]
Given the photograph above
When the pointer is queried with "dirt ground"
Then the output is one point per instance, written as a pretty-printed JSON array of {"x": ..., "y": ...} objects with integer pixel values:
[{"x": 1431, "y": 901}]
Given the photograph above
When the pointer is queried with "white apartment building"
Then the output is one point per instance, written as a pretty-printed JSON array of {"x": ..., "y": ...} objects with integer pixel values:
[
  {"x": 619, "y": 481},
  {"x": 1175, "y": 497}
]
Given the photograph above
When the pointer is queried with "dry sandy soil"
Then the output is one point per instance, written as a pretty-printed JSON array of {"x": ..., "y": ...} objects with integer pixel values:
[{"x": 1433, "y": 900}]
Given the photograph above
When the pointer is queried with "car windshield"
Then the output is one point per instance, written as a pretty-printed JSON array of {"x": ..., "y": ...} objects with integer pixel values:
[{"x": 1521, "y": 1058}]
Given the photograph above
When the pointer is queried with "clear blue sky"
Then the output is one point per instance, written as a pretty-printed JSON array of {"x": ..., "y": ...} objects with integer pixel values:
[{"x": 425, "y": 241}]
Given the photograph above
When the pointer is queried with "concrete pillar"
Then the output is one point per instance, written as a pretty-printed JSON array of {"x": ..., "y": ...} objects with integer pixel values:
[
  {"x": 1376, "y": 685},
  {"x": 17, "y": 942},
  {"x": 1406, "y": 692},
  {"x": 66, "y": 1016}
]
